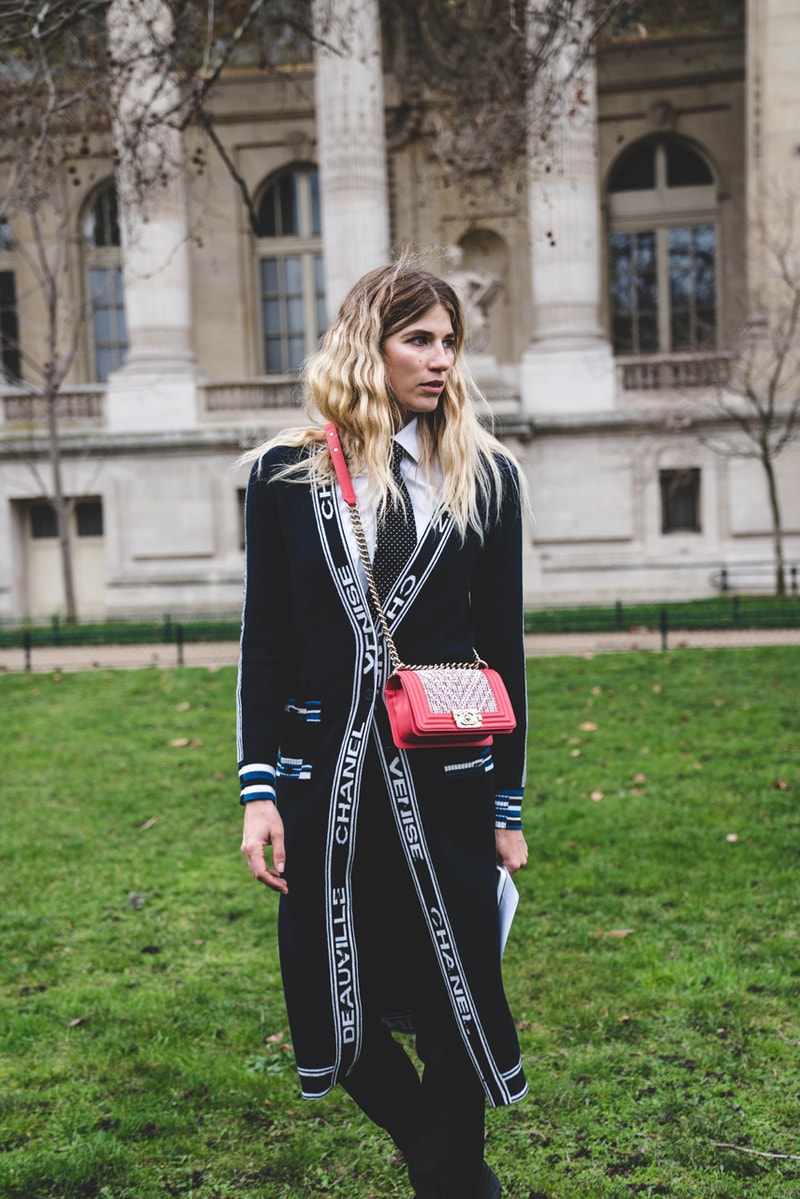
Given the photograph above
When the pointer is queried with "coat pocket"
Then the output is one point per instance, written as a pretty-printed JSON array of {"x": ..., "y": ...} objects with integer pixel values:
[
  {"x": 469, "y": 764},
  {"x": 292, "y": 768},
  {"x": 301, "y": 723}
]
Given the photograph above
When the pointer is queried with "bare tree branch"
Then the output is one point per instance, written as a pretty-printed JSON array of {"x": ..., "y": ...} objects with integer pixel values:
[
  {"x": 761, "y": 397},
  {"x": 794, "y": 1157}
]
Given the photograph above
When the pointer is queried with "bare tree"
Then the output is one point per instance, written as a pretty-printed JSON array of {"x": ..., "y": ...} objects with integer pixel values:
[
  {"x": 762, "y": 396},
  {"x": 466, "y": 71},
  {"x": 66, "y": 94},
  {"x": 46, "y": 371}
]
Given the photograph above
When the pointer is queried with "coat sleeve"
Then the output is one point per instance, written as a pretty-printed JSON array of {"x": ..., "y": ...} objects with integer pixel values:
[
  {"x": 498, "y": 613},
  {"x": 266, "y": 641}
]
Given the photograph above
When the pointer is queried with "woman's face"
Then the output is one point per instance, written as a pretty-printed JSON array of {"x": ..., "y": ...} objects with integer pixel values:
[{"x": 418, "y": 361}]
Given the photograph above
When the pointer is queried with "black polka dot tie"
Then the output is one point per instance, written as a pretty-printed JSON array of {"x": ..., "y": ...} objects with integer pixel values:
[{"x": 397, "y": 533}]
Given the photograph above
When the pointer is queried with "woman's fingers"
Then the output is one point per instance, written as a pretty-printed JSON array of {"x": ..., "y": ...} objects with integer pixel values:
[
  {"x": 262, "y": 827},
  {"x": 512, "y": 849}
]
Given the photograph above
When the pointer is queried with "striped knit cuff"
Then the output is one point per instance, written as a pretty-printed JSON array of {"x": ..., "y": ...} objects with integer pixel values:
[
  {"x": 256, "y": 781},
  {"x": 508, "y": 810}
]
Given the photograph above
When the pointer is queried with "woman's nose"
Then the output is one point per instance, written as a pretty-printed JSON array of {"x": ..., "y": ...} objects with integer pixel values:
[{"x": 440, "y": 358}]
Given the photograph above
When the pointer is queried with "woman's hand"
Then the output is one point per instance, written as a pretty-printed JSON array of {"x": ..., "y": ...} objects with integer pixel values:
[
  {"x": 512, "y": 849},
  {"x": 263, "y": 826}
]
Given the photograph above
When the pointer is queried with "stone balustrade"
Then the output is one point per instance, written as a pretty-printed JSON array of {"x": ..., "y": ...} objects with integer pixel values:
[
  {"x": 80, "y": 405},
  {"x": 222, "y": 398},
  {"x": 672, "y": 372}
]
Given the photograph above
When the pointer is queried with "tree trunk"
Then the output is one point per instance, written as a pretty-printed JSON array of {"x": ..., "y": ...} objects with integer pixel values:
[
  {"x": 62, "y": 514},
  {"x": 777, "y": 530}
]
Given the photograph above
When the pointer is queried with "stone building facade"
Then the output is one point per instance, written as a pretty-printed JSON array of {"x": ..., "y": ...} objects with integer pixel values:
[{"x": 621, "y": 264}]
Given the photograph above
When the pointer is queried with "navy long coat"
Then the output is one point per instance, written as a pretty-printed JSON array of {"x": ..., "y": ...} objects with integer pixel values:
[{"x": 310, "y": 710}]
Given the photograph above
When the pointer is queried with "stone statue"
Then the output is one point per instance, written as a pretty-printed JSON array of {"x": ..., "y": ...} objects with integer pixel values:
[{"x": 477, "y": 290}]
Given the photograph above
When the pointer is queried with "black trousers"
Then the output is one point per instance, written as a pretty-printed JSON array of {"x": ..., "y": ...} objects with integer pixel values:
[{"x": 437, "y": 1120}]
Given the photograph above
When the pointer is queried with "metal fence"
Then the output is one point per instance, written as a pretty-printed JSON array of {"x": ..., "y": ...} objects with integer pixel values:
[{"x": 725, "y": 620}]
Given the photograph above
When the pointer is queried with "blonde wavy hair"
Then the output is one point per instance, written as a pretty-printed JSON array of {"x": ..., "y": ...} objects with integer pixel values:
[{"x": 345, "y": 382}]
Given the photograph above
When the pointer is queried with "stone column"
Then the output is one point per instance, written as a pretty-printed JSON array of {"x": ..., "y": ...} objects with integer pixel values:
[
  {"x": 568, "y": 365},
  {"x": 351, "y": 142},
  {"x": 156, "y": 387},
  {"x": 773, "y": 161}
]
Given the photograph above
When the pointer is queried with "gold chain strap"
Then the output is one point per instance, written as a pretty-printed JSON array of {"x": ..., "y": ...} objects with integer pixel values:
[{"x": 397, "y": 664}]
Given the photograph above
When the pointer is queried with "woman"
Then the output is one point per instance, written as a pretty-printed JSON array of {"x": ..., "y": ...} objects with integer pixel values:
[{"x": 385, "y": 861}]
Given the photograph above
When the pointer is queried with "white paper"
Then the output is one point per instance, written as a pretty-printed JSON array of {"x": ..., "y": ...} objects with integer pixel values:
[{"x": 507, "y": 900}]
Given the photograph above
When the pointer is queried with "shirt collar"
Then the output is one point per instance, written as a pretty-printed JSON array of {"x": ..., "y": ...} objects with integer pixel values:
[{"x": 408, "y": 438}]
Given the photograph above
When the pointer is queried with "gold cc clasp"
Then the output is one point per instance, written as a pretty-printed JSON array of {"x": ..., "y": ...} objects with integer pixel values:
[{"x": 467, "y": 718}]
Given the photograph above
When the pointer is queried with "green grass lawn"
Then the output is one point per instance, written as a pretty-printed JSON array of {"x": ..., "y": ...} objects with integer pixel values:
[{"x": 654, "y": 966}]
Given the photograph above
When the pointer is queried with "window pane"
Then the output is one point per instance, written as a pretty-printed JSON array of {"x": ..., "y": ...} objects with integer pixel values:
[
  {"x": 89, "y": 517},
  {"x": 272, "y": 354},
  {"x": 621, "y": 249},
  {"x": 635, "y": 170},
  {"x": 43, "y": 521},
  {"x": 704, "y": 240},
  {"x": 104, "y": 364},
  {"x": 287, "y": 200},
  {"x": 272, "y": 316},
  {"x": 646, "y": 293},
  {"x": 646, "y": 248},
  {"x": 122, "y": 333},
  {"x": 681, "y": 330},
  {"x": 269, "y": 276},
  {"x": 297, "y": 351},
  {"x": 295, "y": 316},
  {"x": 680, "y": 281},
  {"x": 279, "y": 209},
  {"x": 622, "y": 292},
  {"x": 621, "y": 298},
  {"x": 646, "y": 251},
  {"x": 319, "y": 286},
  {"x": 98, "y": 286},
  {"x": 706, "y": 329},
  {"x": 634, "y": 292},
  {"x": 623, "y": 335},
  {"x": 108, "y": 320},
  {"x": 692, "y": 287},
  {"x": 680, "y": 500},
  {"x": 10, "y": 360},
  {"x": 316, "y": 221},
  {"x": 8, "y": 288},
  {"x": 648, "y": 334},
  {"x": 267, "y": 225},
  {"x": 293, "y": 276},
  {"x": 101, "y": 226},
  {"x": 685, "y": 167},
  {"x": 102, "y": 326},
  {"x": 704, "y": 289},
  {"x": 679, "y": 242},
  {"x": 6, "y": 242}
]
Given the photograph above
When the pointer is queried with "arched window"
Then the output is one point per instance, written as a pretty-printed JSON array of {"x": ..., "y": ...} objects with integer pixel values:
[
  {"x": 10, "y": 359},
  {"x": 291, "y": 285},
  {"x": 662, "y": 204},
  {"x": 104, "y": 267}
]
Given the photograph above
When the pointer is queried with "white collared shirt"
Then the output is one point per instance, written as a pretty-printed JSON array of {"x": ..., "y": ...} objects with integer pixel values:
[{"x": 424, "y": 493}]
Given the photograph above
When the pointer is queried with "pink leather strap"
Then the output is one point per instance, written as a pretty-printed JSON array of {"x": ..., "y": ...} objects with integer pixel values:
[{"x": 340, "y": 465}]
